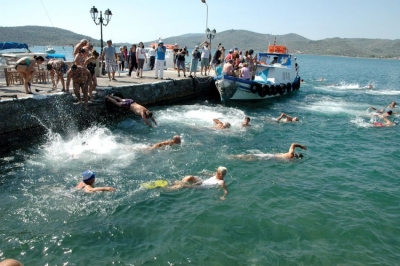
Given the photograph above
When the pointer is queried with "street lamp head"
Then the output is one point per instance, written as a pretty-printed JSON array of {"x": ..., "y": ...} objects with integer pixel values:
[
  {"x": 214, "y": 32},
  {"x": 108, "y": 15},
  {"x": 204, "y": 1},
  {"x": 208, "y": 31},
  {"x": 93, "y": 13}
]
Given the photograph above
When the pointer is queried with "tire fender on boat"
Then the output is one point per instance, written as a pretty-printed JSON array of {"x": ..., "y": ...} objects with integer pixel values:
[
  {"x": 282, "y": 88},
  {"x": 254, "y": 87},
  {"x": 273, "y": 90},
  {"x": 288, "y": 87},
  {"x": 294, "y": 85},
  {"x": 262, "y": 92}
]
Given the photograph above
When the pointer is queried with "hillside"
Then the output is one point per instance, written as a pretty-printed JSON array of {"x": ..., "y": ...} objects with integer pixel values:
[{"x": 378, "y": 48}]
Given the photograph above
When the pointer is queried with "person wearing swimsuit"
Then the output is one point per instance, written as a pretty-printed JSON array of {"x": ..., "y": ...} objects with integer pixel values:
[
  {"x": 90, "y": 63},
  {"x": 288, "y": 155},
  {"x": 191, "y": 181},
  {"x": 87, "y": 183},
  {"x": 134, "y": 107}
]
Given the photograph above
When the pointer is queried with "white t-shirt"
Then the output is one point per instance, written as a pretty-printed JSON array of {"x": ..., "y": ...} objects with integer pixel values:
[
  {"x": 205, "y": 52},
  {"x": 212, "y": 181},
  {"x": 140, "y": 53}
]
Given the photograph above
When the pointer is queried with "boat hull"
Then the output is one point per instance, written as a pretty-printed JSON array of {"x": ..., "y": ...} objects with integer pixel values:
[{"x": 231, "y": 88}]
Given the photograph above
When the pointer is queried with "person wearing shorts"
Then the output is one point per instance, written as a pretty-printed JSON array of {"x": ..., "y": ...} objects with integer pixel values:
[
  {"x": 205, "y": 57},
  {"x": 110, "y": 57}
]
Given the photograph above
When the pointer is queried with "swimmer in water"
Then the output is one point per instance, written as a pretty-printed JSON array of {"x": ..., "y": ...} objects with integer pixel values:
[
  {"x": 287, "y": 118},
  {"x": 388, "y": 113},
  {"x": 246, "y": 122},
  {"x": 392, "y": 105},
  {"x": 370, "y": 86},
  {"x": 221, "y": 125},
  {"x": 386, "y": 122},
  {"x": 175, "y": 140},
  {"x": 288, "y": 155},
  {"x": 191, "y": 181},
  {"x": 87, "y": 183}
]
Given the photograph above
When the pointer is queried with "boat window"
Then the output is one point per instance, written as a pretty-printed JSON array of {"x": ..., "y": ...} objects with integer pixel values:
[{"x": 263, "y": 59}]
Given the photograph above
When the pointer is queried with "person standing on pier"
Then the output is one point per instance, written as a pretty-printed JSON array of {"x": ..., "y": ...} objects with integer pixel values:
[
  {"x": 152, "y": 56},
  {"x": 26, "y": 68},
  {"x": 110, "y": 56},
  {"x": 59, "y": 68},
  {"x": 160, "y": 58},
  {"x": 80, "y": 76}
]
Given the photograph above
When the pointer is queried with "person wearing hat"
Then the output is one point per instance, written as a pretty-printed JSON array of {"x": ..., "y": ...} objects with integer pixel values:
[
  {"x": 191, "y": 181},
  {"x": 88, "y": 179},
  {"x": 229, "y": 56},
  {"x": 160, "y": 58},
  {"x": 110, "y": 56}
]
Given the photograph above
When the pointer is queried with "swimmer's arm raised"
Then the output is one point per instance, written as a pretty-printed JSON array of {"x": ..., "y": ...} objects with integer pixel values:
[{"x": 295, "y": 145}]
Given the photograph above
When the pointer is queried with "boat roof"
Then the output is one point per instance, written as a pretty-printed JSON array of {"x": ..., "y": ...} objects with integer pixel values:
[
  {"x": 273, "y": 54},
  {"x": 13, "y": 45}
]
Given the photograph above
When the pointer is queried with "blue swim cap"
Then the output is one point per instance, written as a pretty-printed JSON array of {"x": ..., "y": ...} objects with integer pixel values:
[{"x": 87, "y": 175}]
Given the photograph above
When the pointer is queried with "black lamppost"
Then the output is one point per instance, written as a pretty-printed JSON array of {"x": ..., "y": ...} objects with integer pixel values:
[
  {"x": 209, "y": 34},
  {"x": 107, "y": 17}
]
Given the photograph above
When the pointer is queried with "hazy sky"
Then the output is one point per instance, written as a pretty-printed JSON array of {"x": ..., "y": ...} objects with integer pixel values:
[{"x": 144, "y": 20}]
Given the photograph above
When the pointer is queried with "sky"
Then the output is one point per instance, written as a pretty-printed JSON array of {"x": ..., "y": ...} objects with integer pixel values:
[{"x": 134, "y": 21}]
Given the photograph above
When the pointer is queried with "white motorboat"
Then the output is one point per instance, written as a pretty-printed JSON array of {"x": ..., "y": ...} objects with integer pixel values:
[
  {"x": 50, "y": 50},
  {"x": 276, "y": 73}
]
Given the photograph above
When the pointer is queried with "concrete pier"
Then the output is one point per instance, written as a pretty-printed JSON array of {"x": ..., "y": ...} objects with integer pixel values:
[{"x": 29, "y": 116}]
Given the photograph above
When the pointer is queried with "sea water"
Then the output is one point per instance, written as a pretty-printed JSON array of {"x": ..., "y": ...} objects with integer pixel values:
[{"x": 337, "y": 205}]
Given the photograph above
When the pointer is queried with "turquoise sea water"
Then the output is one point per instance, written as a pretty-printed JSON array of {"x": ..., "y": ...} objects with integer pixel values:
[{"x": 339, "y": 205}]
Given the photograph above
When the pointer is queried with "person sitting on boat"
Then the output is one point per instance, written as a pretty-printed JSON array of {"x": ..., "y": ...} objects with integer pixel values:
[
  {"x": 80, "y": 76},
  {"x": 244, "y": 72},
  {"x": 57, "y": 67},
  {"x": 87, "y": 183},
  {"x": 274, "y": 61},
  {"x": 287, "y": 118},
  {"x": 265, "y": 156},
  {"x": 191, "y": 181},
  {"x": 386, "y": 122},
  {"x": 228, "y": 68},
  {"x": 134, "y": 107},
  {"x": 246, "y": 122},
  {"x": 218, "y": 69},
  {"x": 220, "y": 125},
  {"x": 229, "y": 56},
  {"x": 26, "y": 67},
  {"x": 175, "y": 140},
  {"x": 91, "y": 63}
]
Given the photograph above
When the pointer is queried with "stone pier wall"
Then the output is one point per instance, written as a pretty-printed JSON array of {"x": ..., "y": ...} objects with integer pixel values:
[{"x": 27, "y": 119}]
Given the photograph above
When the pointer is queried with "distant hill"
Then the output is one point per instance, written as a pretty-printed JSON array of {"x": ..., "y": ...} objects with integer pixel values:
[{"x": 352, "y": 47}]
